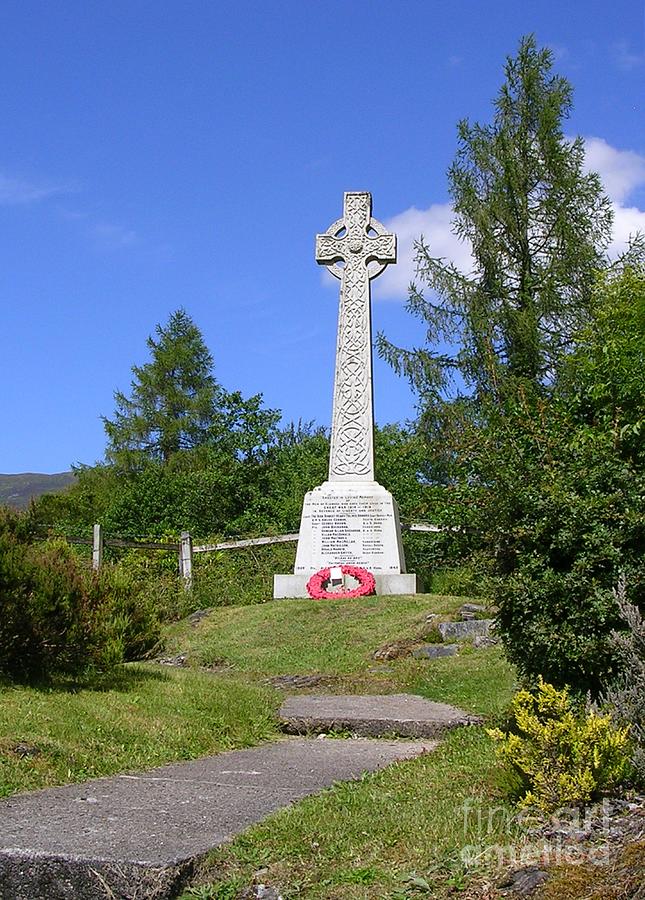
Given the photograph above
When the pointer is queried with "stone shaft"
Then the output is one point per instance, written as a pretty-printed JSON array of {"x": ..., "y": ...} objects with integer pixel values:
[{"x": 355, "y": 249}]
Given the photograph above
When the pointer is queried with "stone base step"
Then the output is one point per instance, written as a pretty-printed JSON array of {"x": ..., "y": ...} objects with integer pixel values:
[
  {"x": 295, "y": 586},
  {"x": 406, "y": 715}
]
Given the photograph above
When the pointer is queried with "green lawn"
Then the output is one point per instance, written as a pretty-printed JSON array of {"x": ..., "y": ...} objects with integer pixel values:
[
  {"x": 338, "y": 639},
  {"x": 281, "y": 636},
  {"x": 148, "y": 716},
  {"x": 365, "y": 839}
]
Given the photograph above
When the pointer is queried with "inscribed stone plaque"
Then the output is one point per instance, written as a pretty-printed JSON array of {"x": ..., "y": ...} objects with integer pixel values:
[{"x": 354, "y": 524}]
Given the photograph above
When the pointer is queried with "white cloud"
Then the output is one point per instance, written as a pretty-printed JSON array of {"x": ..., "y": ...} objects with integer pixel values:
[
  {"x": 113, "y": 237},
  {"x": 621, "y": 171},
  {"x": 628, "y": 220},
  {"x": 626, "y": 58},
  {"x": 434, "y": 224},
  {"x": 15, "y": 191}
]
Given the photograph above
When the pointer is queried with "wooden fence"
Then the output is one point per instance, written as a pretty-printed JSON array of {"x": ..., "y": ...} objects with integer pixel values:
[{"x": 185, "y": 548}]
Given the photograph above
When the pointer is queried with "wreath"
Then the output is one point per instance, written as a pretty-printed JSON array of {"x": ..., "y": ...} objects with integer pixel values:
[{"x": 316, "y": 586}]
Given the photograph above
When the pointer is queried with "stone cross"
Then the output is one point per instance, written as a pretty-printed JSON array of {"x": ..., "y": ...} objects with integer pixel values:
[{"x": 355, "y": 249}]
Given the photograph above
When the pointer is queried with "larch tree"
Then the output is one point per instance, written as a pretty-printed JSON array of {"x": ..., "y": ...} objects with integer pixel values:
[
  {"x": 538, "y": 226},
  {"x": 175, "y": 400}
]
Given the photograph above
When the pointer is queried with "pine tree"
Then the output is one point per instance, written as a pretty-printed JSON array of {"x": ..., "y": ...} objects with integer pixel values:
[
  {"x": 538, "y": 227},
  {"x": 175, "y": 399}
]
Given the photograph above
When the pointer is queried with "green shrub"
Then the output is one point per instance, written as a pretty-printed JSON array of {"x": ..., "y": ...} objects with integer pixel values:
[
  {"x": 150, "y": 582},
  {"x": 59, "y": 618},
  {"x": 547, "y": 482},
  {"x": 240, "y": 577},
  {"x": 572, "y": 520},
  {"x": 625, "y": 696},
  {"x": 562, "y": 757},
  {"x": 461, "y": 581},
  {"x": 131, "y": 608}
]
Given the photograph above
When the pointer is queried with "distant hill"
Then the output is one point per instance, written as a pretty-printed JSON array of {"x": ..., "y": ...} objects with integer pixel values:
[{"x": 17, "y": 490}]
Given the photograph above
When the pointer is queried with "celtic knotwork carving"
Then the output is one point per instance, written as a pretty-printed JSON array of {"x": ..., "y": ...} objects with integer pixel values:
[{"x": 355, "y": 249}]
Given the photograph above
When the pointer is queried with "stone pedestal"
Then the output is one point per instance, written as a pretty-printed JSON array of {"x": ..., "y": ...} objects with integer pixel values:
[{"x": 349, "y": 523}]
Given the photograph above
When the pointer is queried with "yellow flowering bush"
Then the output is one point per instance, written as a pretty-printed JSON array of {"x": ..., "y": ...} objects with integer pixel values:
[{"x": 563, "y": 757}]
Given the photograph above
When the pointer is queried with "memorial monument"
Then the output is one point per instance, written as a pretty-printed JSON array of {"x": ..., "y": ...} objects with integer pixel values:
[{"x": 351, "y": 519}]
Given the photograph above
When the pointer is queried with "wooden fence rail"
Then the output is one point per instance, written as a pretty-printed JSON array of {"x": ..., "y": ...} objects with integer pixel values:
[
  {"x": 247, "y": 542},
  {"x": 185, "y": 549}
]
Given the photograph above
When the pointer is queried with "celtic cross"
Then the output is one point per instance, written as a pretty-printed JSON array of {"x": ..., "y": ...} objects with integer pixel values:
[{"x": 355, "y": 249}]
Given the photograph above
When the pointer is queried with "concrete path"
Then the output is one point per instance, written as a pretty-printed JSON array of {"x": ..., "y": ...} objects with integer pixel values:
[
  {"x": 406, "y": 715},
  {"x": 140, "y": 836}
]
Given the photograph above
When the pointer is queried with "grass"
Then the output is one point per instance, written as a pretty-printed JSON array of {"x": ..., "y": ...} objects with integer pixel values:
[
  {"x": 303, "y": 636},
  {"x": 372, "y": 838},
  {"x": 145, "y": 717},
  {"x": 338, "y": 639}
]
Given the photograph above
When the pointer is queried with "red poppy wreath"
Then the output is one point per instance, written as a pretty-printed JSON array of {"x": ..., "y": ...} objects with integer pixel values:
[{"x": 317, "y": 583}]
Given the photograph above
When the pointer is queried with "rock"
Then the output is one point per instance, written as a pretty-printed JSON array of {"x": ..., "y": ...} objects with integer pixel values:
[
  {"x": 405, "y": 715},
  {"x": 260, "y": 892},
  {"x": 25, "y": 750},
  {"x": 199, "y": 614},
  {"x": 434, "y": 651},
  {"x": 180, "y": 661},
  {"x": 263, "y": 892},
  {"x": 524, "y": 881},
  {"x": 396, "y": 649},
  {"x": 481, "y": 640},
  {"x": 469, "y": 611},
  {"x": 463, "y": 630},
  {"x": 298, "y": 681}
]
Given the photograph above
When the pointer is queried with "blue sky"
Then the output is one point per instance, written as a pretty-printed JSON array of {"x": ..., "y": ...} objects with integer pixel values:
[{"x": 158, "y": 153}]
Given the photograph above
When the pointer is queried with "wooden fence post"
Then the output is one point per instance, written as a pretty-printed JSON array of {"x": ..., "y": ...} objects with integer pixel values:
[
  {"x": 97, "y": 547},
  {"x": 186, "y": 560}
]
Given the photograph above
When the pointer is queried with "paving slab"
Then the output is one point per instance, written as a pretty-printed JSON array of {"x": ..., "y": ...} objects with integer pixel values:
[
  {"x": 463, "y": 630},
  {"x": 435, "y": 651},
  {"x": 372, "y": 715},
  {"x": 141, "y": 836}
]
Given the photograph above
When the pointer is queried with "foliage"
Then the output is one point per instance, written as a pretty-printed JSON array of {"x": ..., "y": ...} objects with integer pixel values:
[
  {"x": 177, "y": 404},
  {"x": 59, "y": 619},
  {"x": 602, "y": 380},
  {"x": 239, "y": 577},
  {"x": 559, "y": 500},
  {"x": 461, "y": 581},
  {"x": 626, "y": 695},
  {"x": 536, "y": 225},
  {"x": 296, "y": 461},
  {"x": 563, "y": 757},
  {"x": 213, "y": 493},
  {"x": 530, "y": 383}
]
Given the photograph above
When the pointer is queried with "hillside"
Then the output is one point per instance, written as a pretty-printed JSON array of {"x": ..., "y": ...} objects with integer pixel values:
[{"x": 17, "y": 490}]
